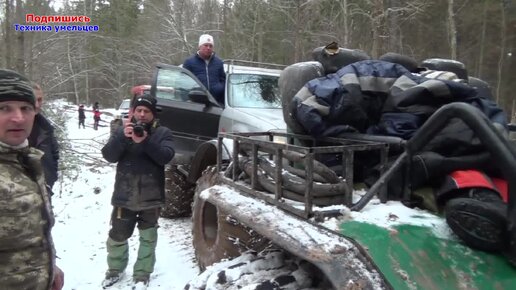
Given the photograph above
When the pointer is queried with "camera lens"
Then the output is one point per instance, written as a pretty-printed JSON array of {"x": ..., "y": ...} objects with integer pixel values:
[{"x": 138, "y": 130}]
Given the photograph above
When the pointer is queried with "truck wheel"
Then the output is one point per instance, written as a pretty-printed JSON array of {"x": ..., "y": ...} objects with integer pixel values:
[
  {"x": 333, "y": 62},
  {"x": 114, "y": 125},
  {"x": 274, "y": 269},
  {"x": 450, "y": 65},
  {"x": 178, "y": 194},
  {"x": 216, "y": 234},
  {"x": 291, "y": 80}
]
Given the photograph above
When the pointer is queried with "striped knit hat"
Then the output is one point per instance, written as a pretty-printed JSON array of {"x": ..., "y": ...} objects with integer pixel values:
[{"x": 15, "y": 87}]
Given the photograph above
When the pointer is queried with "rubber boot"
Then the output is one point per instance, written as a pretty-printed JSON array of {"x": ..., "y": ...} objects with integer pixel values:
[
  {"x": 144, "y": 265},
  {"x": 118, "y": 255}
]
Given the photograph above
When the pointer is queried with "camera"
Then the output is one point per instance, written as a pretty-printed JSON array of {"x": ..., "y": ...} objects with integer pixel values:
[{"x": 139, "y": 128}]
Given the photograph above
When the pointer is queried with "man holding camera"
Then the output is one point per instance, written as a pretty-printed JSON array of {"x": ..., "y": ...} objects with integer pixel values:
[{"x": 142, "y": 148}]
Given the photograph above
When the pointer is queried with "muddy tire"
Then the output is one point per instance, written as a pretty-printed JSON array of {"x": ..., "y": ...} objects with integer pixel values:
[
  {"x": 450, "y": 65},
  {"x": 178, "y": 194},
  {"x": 274, "y": 269},
  {"x": 291, "y": 80},
  {"x": 216, "y": 234},
  {"x": 333, "y": 62}
]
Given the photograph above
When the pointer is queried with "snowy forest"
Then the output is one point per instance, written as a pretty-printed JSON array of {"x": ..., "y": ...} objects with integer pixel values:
[{"x": 133, "y": 35}]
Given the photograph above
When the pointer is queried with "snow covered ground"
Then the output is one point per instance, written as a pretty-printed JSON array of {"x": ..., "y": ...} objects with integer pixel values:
[{"x": 82, "y": 208}]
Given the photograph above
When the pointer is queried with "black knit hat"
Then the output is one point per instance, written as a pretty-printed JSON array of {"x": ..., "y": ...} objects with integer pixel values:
[
  {"x": 15, "y": 87},
  {"x": 146, "y": 100}
]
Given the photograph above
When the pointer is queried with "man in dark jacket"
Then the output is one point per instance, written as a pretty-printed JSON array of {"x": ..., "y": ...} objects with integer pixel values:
[
  {"x": 42, "y": 137},
  {"x": 142, "y": 148},
  {"x": 208, "y": 68}
]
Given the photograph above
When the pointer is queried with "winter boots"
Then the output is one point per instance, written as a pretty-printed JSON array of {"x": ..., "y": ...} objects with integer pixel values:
[
  {"x": 118, "y": 255},
  {"x": 112, "y": 277},
  {"x": 140, "y": 283},
  {"x": 479, "y": 219}
]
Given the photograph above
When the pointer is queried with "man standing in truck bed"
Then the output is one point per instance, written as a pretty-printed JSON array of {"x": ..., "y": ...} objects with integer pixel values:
[{"x": 208, "y": 68}]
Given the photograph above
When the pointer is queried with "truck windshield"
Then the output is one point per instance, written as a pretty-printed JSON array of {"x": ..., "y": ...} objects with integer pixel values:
[
  {"x": 125, "y": 104},
  {"x": 253, "y": 91}
]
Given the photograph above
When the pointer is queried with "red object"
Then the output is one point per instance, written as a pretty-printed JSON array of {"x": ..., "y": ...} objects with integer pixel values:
[
  {"x": 474, "y": 178},
  {"x": 137, "y": 91},
  {"x": 96, "y": 114}
]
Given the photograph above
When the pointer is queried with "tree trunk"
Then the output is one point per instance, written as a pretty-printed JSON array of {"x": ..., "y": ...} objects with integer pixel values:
[
  {"x": 482, "y": 40},
  {"x": 452, "y": 30},
  {"x": 503, "y": 42},
  {"x": 378, "y": 28},
  {"x": 8, "y": 34},
  {"x": 70, "y": 66},
  {"x": 393, "y": 36},
  {"x": 20, "y": 39},
  {"x": 297, "y": 33},
  {"x": 345, "y": 27}
]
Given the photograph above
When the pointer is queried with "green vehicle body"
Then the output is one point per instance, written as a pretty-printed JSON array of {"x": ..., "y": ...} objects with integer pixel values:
[
  {"x": 404, "y": 254},
  {"x": 413, "y": 257}
]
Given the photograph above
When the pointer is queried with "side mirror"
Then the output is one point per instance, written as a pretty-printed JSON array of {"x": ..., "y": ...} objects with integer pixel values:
[{"x": 199, "y": 96}]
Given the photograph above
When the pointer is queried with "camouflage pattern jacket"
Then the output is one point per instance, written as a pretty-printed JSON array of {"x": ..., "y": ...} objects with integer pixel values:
[{"x": 26, "y": 218}]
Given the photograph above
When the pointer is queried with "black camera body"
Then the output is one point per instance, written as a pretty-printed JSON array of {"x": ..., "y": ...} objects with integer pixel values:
[{"x": 139, "y": 128}]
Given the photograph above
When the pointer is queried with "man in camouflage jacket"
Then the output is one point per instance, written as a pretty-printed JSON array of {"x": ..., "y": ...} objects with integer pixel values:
[{"x": 27, "y": 255}]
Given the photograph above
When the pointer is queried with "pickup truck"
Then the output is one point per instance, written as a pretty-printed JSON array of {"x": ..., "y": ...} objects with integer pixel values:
[{"x": 252, "y": 103}]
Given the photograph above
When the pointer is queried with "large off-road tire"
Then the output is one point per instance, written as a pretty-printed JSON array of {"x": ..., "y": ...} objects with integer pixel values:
[
  {"x": 178, "y": 194},
  {"x": 333, "y": 62},
  {"x": 291, "y": 80},
  {"x": 216, "y": 234},
  {"x": 205, "y": 155},
  {"x": 483, "y": 88},
  {"x": 450, "y": 65},
  {"x": 404, "y": 60},
  {"x": 274, "y": 269}
]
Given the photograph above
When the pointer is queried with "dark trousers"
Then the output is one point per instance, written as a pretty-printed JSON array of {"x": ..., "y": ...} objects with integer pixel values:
[
  {"x": 123, "y": 222},
  {"x": 81, "y": 122}
]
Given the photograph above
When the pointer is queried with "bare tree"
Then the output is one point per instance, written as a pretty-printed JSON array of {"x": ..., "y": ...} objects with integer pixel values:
[
  {"x": 20, "y": 39},
  {"x": 480, "y": 63},
  {"x": 452, "y": 30},
  {"x": 503, "y": 42},
  {"x": 8, "y": 33}
]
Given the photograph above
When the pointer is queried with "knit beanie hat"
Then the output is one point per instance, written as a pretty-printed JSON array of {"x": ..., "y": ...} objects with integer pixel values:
[
  {"x": 206, "y": 38},
  {"x": 15, "y": 87},
  {"x": 146, "y": 100}
]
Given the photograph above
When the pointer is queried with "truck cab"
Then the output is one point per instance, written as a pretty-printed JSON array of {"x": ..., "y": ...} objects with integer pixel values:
[{"x": 252, "y": 103}]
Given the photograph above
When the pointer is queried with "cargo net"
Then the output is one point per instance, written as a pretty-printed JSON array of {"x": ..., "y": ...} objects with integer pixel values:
[{"x": 298, "y": 173}]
